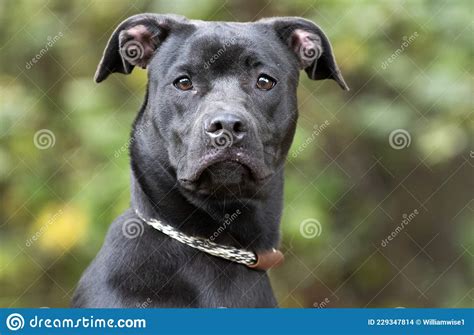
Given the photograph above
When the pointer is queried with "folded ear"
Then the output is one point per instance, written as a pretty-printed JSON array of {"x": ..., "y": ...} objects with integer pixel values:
[
  {"x": 311, "y": 47},
  {"x": 134, "y": 42}
]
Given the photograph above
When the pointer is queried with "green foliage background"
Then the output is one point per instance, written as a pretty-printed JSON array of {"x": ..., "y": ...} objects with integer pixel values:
[{"x": 347, "y": 177}]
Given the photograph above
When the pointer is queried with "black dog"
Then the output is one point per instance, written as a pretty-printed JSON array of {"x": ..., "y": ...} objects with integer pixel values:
[{"x": 207, "y": 153}]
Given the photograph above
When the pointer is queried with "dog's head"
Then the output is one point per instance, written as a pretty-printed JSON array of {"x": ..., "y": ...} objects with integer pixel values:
[{"x": 221, "y": 95}]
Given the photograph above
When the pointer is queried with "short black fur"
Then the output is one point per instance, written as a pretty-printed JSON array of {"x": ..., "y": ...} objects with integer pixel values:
[{"x": 176, "y": 176}]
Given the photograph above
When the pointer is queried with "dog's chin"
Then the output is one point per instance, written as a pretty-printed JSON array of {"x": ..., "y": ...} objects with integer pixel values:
[
  {"x": 224, "y": 179},
  {"x": 225, "y": 174}
]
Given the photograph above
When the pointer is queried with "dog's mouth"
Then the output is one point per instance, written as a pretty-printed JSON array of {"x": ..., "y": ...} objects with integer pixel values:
[{"x": 225, "y": 167}]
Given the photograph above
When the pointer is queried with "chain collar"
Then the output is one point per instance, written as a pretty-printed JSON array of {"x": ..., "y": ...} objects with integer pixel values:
[{"x": 259, "y": 261}]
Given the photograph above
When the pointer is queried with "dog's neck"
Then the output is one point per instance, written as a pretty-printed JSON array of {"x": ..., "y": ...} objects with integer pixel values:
[{"x": 252, "y": 224}]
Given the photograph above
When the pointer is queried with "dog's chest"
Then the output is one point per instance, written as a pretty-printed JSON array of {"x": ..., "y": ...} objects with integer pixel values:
[
  {"x": 224, "y": 284},
  {"x": 201, "y": 280}
]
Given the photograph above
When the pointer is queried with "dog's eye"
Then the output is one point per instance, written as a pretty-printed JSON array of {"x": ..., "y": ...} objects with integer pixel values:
[
  {"x": 265, "y": 82},
  {"x": 183, "y": 83}
]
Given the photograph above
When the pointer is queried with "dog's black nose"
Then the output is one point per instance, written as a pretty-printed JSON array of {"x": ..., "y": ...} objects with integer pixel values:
[{"x": 228, "y": 126}]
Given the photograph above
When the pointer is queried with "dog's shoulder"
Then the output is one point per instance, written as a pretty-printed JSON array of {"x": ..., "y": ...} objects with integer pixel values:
[{"x": 93, "y": 286}]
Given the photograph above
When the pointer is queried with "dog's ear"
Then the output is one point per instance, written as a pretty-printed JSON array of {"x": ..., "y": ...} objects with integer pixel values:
[
  {"x": 311, "y": 47},
  {"x": 134, "y": 42}
]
